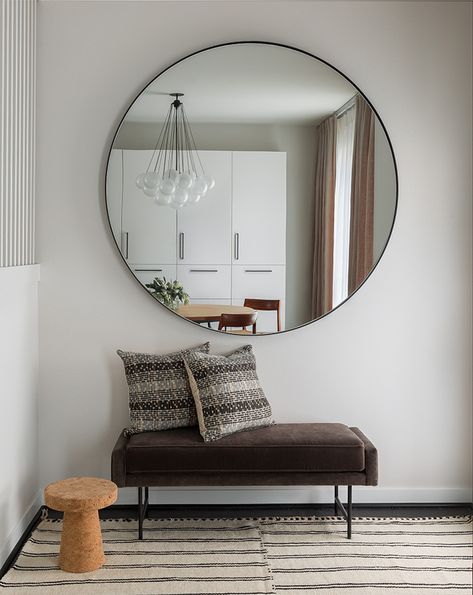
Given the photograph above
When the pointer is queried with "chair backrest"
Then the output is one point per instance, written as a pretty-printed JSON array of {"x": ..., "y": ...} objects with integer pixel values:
[
  {"x": 238, "y": 320},
  {"x": 266, "y": 305}
]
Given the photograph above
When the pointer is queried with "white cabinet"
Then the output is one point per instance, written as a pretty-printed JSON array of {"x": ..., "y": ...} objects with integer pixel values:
[
  {"x": 229, "y": 246},
  {"x": 260, "y": 282},
  {"x": 259, "y": 207},
  {"x": 146, "y": 273},
  {"x": 206, "y": 281},
  {"x": 148, "y": 230},
  {"x": 205, "y": 228}
]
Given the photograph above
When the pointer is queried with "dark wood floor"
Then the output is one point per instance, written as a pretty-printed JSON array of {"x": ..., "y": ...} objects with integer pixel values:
[{"x": 265, "y": 510}]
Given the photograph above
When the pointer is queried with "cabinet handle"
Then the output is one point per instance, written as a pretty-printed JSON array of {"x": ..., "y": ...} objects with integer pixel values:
[
  {"x": 181, "y": 245},
  {"x": 125, "y": 237},
  {"x": 149, "y": 270},
  {"x": 203, "y": 270},
  {"x": 258, "y": 270},
  {"x": 237, "y": 246}
]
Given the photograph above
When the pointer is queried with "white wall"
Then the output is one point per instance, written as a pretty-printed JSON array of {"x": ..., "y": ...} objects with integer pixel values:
[
  {"x": 395, "y": 360},
  {"x": 19, "y": 498},
  {"x": 19, "y": 495}
]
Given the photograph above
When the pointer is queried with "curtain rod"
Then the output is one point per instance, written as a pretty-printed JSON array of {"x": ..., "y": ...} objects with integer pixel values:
[{"x": 346, "y": 106}]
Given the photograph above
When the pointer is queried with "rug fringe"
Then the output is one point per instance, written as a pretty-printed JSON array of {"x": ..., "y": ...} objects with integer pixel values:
[{"x": 466, "y": 517}]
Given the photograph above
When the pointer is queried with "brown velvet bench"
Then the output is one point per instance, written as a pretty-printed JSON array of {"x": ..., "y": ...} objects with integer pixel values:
[{"x": 300, "y": 454}]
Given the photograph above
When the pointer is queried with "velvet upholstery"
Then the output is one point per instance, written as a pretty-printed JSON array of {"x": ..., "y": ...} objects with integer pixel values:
[{"x": 283, "y": 454}]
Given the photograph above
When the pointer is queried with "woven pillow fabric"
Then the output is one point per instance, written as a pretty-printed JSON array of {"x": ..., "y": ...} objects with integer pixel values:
[
  {"x": 227, "y": 393},
  {"x": 160, "y": 397}
]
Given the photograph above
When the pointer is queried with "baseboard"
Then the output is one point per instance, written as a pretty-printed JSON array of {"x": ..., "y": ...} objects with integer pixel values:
[
  {"x": 17, "y": 536},
  {"x": 297, "y": 495}
]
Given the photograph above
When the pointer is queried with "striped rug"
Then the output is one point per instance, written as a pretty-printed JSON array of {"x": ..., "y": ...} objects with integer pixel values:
[
  {"x": 385, "y": 555},
  {"x": 257, "y": 556}
]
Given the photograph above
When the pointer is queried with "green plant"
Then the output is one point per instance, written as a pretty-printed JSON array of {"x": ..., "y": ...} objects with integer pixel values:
[{"x": 169, "y": 293}]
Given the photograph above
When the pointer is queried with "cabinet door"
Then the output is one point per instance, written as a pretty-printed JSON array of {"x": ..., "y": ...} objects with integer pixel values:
[
  {"x": 206, "y": 282},
  {"x": 151, "y": 228},
  {"x": 260, "y": 282},
  {"x": 146, "y": 273},
  {"x": 206, "y": 226},
  {"x": 114, "y": 193},
  {"x": 259, "y": 207}
]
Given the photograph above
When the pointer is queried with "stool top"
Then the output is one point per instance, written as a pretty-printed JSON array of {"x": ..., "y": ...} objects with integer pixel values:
[{"x": 77, "y": 494}]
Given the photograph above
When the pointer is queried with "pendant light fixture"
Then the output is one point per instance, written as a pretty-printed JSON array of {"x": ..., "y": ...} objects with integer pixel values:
[{"x": 175, "y": 176}]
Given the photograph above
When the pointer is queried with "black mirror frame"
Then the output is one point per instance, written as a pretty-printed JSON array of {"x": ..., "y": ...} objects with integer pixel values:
[{"x": 306, "y": 53}]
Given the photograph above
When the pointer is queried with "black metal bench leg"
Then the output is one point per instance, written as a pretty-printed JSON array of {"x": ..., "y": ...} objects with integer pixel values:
[
  {"x": 140, "y": 513},
  {"x": 142, "y": 510},
  {"x": 349, "y": 512},
  {"x": 346, "y": 512},
  {"x": 146, "y": 502}
]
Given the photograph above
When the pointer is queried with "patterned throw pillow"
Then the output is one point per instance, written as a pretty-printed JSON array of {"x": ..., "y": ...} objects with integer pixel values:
[
  {"x": 160, "y": 397},
  {"x": 227, "y": 393}
]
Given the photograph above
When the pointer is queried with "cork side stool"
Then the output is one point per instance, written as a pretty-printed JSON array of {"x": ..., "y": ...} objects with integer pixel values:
[{"x": 80, "y": 498}]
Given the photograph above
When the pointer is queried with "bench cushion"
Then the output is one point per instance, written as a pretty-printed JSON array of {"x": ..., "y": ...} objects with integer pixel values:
[{"x": 309, "y": 447}]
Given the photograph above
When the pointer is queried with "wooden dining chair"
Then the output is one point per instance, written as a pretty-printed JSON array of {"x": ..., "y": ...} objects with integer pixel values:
[
  {"x": 237, "y": 321},
  {"x": 265, "y": 305}
]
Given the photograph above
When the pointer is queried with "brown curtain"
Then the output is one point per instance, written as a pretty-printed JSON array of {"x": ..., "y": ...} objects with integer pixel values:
[
  {"x": 325, "y": 163},
  {"x": 362, "y": 197}
]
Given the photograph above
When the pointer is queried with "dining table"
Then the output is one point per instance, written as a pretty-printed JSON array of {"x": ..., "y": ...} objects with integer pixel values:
[{"x": 210, "y": 312}]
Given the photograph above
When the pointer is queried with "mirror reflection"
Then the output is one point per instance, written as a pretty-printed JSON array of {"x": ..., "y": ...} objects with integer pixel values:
[{"x": 251, "y": 188}]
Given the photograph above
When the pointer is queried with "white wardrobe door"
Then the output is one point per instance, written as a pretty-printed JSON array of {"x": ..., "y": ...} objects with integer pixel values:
[
  {"x": 206, "y": 282},
  {"x": 151, "y": 229},
  {"x": 207, "y": 225},
  {"x": 146, "y": 273},
  {"x": 260, "y": 282},
  {"x": 259, "y": 207},
  {"x": 114, "y": 193}
]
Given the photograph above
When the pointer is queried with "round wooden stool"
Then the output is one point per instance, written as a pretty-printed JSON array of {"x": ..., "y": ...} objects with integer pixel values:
[{"x": 80, "y": 498}]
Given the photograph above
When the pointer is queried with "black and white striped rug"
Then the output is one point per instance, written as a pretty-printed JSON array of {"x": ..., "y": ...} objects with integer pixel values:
[{"x": 256, "y": 556}]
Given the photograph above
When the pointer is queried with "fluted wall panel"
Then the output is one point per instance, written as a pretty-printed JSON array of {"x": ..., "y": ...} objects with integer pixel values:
[{"x": 17, "y": 132}]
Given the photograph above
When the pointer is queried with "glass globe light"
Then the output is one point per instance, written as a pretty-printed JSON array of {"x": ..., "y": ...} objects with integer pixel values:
[
  {"x": 184, "y": 181},
  {"x": 150, "y": 192},
  {"x": 209, "y": 181},
  {"x": 167, "y": 186},
  {"x": 193, "y": 196},
  {"x": 151, "y": 180},
  {"x": 140, "y": 181},
  {"x": 170, "y": 174},
  {"x": 162, "y": 199},
  {"x": 180, "y": 197},
  {"x": 200, "y": 186}
]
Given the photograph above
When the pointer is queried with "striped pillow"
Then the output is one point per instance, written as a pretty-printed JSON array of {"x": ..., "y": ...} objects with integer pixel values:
[
  {"x": 160, "y": 397},
  {"x": 227, "y": 393}
]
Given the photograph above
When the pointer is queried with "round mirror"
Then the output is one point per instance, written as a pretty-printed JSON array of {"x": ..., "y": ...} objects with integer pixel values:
[{"x": 251, "y": 188}]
